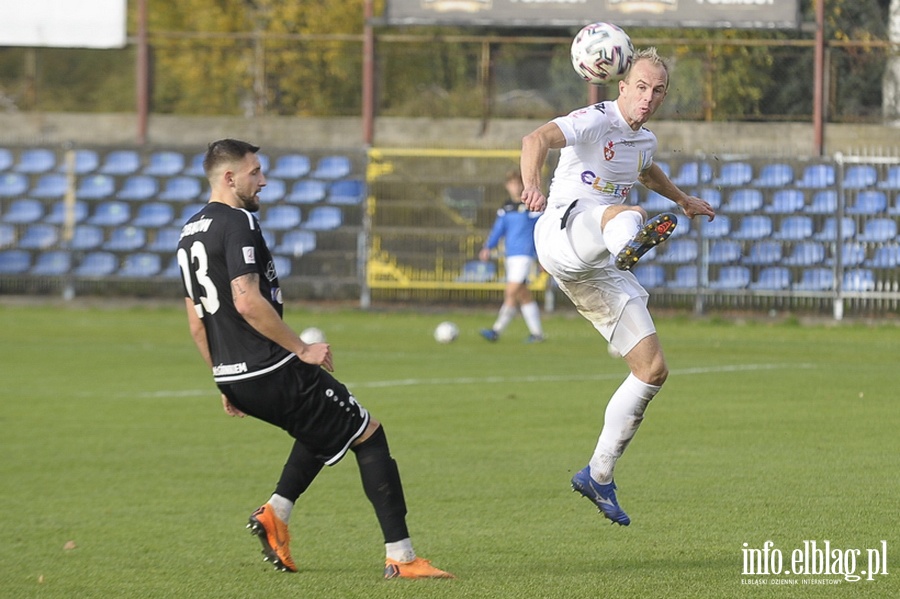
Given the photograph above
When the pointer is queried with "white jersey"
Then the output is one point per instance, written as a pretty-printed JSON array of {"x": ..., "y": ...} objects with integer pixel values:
[{"x": 602, "y": 158}]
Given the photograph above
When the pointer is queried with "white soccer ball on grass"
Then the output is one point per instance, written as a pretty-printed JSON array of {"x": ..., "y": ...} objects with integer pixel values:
[
  {"x": 446, "y": 332},
  {"x": 602, "y": 53},
  {"x": 312, "y": 335}
]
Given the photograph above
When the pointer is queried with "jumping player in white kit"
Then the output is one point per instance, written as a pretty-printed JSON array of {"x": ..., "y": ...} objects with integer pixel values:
[{"x": 588, "y": 240}]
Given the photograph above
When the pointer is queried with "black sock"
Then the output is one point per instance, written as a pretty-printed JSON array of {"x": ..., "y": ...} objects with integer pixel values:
[
  {"x": 381, "y": 482},
  {"x": 301, "y": 469}
]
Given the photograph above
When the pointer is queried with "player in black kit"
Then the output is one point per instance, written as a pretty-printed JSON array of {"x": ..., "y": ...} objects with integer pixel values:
[{"x": 264, "y": 370}]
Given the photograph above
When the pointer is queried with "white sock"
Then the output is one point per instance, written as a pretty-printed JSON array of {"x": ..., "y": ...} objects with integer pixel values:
[
  {"x": 532, "y": 315},
  {"x": 504, "y": 317},
  {"x": 282, "y": 507},
  {"x": 400, "y": 551},
  {"x": 624, "y": 414},
  {"x": 621, "y": 229}
]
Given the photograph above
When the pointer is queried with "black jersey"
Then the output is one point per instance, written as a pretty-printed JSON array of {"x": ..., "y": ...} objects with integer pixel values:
[{"x": 218, "y": 244}]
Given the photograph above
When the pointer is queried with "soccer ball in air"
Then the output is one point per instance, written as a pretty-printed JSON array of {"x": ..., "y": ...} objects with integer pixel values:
[
  {"x": 602, "y": 53},
  {"x": 446, "y": 332},
  {"x": 312, "y": 335}
]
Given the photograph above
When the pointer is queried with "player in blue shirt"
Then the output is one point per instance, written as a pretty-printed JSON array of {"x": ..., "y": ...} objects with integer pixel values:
[{"x": 515, "y": 225}]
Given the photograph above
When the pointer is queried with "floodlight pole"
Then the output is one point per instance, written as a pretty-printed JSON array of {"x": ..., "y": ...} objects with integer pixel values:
[
  {"x": 143, "y": 73},
  {"x": 819, "y": 80},
  {"x": 368, "y": 75}
]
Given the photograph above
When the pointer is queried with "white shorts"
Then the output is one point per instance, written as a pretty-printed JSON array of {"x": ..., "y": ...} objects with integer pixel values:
[
  {"x": 574, "y": 253},
  {"x": 518, "y": 268}
]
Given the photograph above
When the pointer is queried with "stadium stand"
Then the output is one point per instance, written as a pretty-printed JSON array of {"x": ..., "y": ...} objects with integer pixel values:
[
  {"x": 332, "y": 167},
  {"x": 852, "y": 254},
  {"x": 786, "y": 201},
  {"x": 886, "y": 256},
  {"x": 97, "y": 264},
  {"x": 86, "y": 161},
  {"x": 153, "y": 215},
  {"x": 734, "y": 174},
  {"x": 650, "y": 276},
  {"x": 296, "y": 243},
  {"x": 181, "y": 188},
  {"x": 477, "y": 271},
  {"x": 283, "y": 266},
  {"x": 111, "y": 213},
  {"x": 794, "y": 228},
  {"x": 715, "y": 229},
  {"x": 772, "y": 278},
  {"x": 138, "y": 188},
  {"x": 731, "y": 277},
  {"x": 194, "y": 166},
  {"x": 7, "y": 235},
  {"x": 816, "y": 279},
  {"x": 6, "y": 159},
  {"x": 86, "y": 237},
  {"x": 96, "y": 187},
  {"x": 725, "y": 251},
  {"x": 806, "y": 253},
  {"x": 891, "y": 180},
  {"x": 868, "y": 202},
  {"x": 744, "y": 200},
  {"x": 774, "y": 175},
  {"x": 347, "y": 192},
  {"x": 754, "y": 226},
  {"x": 824, "y": 201},
  {"x": 273, "y": 192},
  {"x": 39, "y": 237},
  {"x": 764, "y": 253},
  {"x": 281, "y": 217},
  {"x": 829, "y": 231},
  {"x": 678, "y": 251},
  {"x": 165, "y": 240},
  {"x": 13, "y": 184},
  {"x": 692, "y": 174},
  {"x": 165, "y": 163},
  {"x": 817, "y": 176},
  {"x": 685, "y": 278},
  {"x": 878, "y": 230},
  {"x": 140, "y": 265},
  {"x": 860, "y": 176},
  {"x": 323, "y": 218},
  {"x": 126, "y": 239},
  {"x": 290, "y": 166},
  {"x": 858, "y": 279}
]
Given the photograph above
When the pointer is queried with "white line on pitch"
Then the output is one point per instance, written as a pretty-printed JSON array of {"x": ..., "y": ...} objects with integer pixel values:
[{"x": 547, "y": 378}]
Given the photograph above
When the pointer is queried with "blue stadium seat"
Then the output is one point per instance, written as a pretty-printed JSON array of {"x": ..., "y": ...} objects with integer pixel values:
[
  {"x": 829, "y": 229},
  {"x": 181, "y": 189},
  {"x": 7, "y": 235},
  {"x": 786, "y": 201},
  {"x": 891, "y": 181},
  {"x": 878, "y": 230},
  {"x": 39, "y": 237},
  {"x": 86, "y": 161},
  {"x": 307, "y": 191},
  {"x": 776, "y": 174},
  {"x": 121, "y": 162},
  {"x": 852, "y": 254},
  {"x": 795, "y": 228},
  {"x": 86, "y": 237},
  {"x": 97, "y": 264},
  {"x": 663, "y": 166},
  {"x": 24, "y": 211},
  {"x": 806, "y": 253},
  {"x": 14, "y": 262},
  {"x": 894, "y": 210},
  {"x": 732, "y": 277},
  {"x": 650, "y": 276},
  {"x": 165, "y": 163},
  {"x": 323, "y": 218},
  {"x": 764, "y": 253},
  {"x": 824, "y": 201},
  {"x": 724, "y": 251},
  {"x": 273, "y": 192},
  {"x": 140, "y": 265},
  {"x": 817, "y": 176},
  {"x": 96, "y": 187},
  {"x": 772, "y": 278},
  {"x": 281, "y": 217},
  {"x": 683, "y": 229},
  {"x": 886, "y": 256},
  {"x": 816, "y": 279},
  {"x": 173, "y": 270},
  {"x": 678, "y": 251},
  {"x": 57, "y": 215},
  {"x": 754, "y": 226},
  {"x": 6, "y": 159},
  {"x": 332, "y": 167},
  {"x": 347, "y": 192},
  {"x": 50, "y": 186},
  {"x": 54, "y": 263},
  {"x": 36, "y": 160},
  {"x": 734, "y": 174},
  {"x": 126, "y": 239},
  {"x": 282, "y": 266},
  {"x": 685, "y": 278},
  {"x": 654, "y": 202},
  {"x": 716, "y": 228},
  {"x": 194, "y": 167},
  {"x": 860, "y": 176},
  {"x": 138, "y": 188},
  {"x": 263, "y": 162},
  {"x": 476, "y": 271},
  {"x": 164, "y": 240},
  {"x": 290, "y": 166},
  {"x": 13, "y": 184},
  {"x": 858, "y": 279},
  {"x": 111, "y": 213},
  {"x": 744, "y": 200},
  {"x": 153, "y": 215},
  {"x": 693, "y": 174},
  {"x": 868, "y": 202},
  {"x": 296, "y": 243}
]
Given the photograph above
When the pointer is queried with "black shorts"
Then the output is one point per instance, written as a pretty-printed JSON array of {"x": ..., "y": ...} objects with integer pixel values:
[{"x": 308, "y": 403}]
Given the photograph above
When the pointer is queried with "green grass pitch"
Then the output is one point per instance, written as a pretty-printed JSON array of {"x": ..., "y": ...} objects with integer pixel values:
[{"x": 122, "y": 477}]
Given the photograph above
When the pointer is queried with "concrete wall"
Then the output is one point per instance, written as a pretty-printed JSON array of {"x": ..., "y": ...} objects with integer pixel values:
[{"x": 720, "y": 139}]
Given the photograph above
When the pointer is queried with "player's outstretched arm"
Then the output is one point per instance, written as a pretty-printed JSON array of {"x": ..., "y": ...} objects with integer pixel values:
[
  {"x": 535, "y": 147},
  {"x": 656, "y": 180}
]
